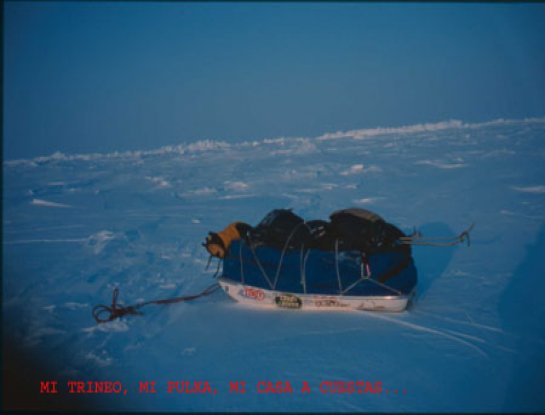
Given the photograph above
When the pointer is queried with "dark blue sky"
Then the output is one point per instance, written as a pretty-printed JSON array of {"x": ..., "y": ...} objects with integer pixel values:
[{"x": 96, "y": 77}]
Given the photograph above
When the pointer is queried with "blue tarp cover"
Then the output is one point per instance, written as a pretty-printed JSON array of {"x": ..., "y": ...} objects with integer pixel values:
[{"x": 320, "y": 272}]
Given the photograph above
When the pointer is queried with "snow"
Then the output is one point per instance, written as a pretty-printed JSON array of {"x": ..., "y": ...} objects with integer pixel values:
[
  {"x": 40, "y": 202},
  {"x": 530, "y": 189},
  {"x": 473, "y": 340}
]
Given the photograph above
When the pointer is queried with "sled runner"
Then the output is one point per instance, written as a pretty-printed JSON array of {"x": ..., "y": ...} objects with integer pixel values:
[{"x": 253, "y": 296}]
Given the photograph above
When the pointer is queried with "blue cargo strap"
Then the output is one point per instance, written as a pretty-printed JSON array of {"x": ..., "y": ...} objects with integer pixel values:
[
  {"x": 258, "y": 262},
  {"x": 286, "y": 244},
  {"x": 302, "y": 270},
  {"x": 337, "y": 266},
  {"x": 241, "y": 263}
]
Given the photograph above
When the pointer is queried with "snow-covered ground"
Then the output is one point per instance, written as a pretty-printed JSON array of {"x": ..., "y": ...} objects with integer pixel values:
[{"x": 76, "y": 226}]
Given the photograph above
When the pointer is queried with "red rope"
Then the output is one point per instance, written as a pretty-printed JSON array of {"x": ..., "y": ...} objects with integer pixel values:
[{"x": 116, "y": 311}]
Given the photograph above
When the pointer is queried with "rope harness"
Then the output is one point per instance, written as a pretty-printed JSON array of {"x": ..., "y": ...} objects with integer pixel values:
[{"x": 116, "y": 311}]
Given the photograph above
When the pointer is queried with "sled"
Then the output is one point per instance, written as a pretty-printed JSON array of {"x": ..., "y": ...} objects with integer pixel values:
[
  {"x": 318, "y": 280},
  {"x": 357, "y": 261}
]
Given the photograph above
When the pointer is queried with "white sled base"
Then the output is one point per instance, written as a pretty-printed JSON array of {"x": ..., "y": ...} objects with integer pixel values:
[{"x": 262, "y": 298}]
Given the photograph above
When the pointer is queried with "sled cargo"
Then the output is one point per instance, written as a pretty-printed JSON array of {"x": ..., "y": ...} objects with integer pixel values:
[{"x": 355, "y": 261}]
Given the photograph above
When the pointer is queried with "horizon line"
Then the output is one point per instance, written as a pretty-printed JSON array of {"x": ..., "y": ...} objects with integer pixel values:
[{"x": 211, "y": 144}]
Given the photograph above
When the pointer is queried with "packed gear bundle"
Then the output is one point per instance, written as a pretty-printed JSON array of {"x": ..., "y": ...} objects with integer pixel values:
[{"x": 356, "y": 260}]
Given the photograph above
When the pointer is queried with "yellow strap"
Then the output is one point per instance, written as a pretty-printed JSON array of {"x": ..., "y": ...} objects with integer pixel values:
[{"x": 229, "y": 234}]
